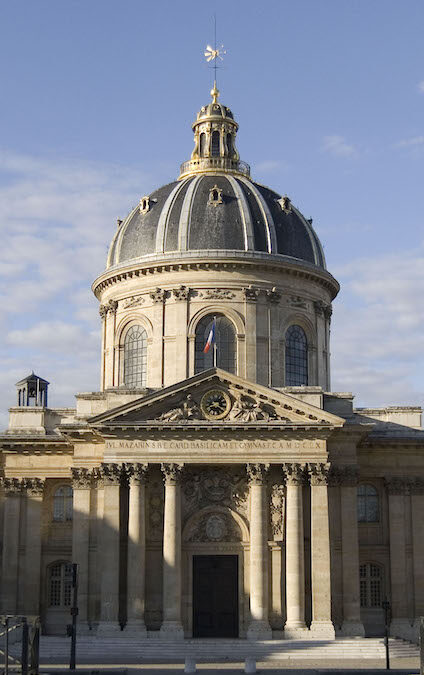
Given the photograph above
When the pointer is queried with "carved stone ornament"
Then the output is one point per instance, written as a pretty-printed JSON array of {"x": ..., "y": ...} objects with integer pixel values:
[
  {"x": 171, "y": 473},
  {"x": 12, "y": 485},
  {"x": 417, "y": 486},
  {"x": 214, "y": 486},
  {"x": 216, "y": 527},
  {"x": 218, "y": 294},
  {"x": 111, "y": 474},
  {"x": 103, "y": 311},
  {"x": 144, "y": 205},
  {"x": 112, "y": 306},
  {"x": 215, "y": 196},
  {"x": 134, "y": 301},
  {"x": 272, "y": 295},
  {"x": 297, "y": 302},
  {"x": 33, "y": 486},
  {"x": 396, "y": 485},
  {"x": 81, "y": 478},
  {"x": 137, "y": 473},
  {"x": 318, "y": 473},
  {"x": 328, "y": 311},
  {"x": 295, "y": 474},
  {"x": 159, "y": 295},
  {"x": 187, "y": 410},
  {"x": 257, "y": 473},
  {"x": 155, "y": 520},
  {"x": 251, "y": 293},
  {"x": 248, "y": 410},
  {"x": 276, "y": 509},
  {"x": 285, "y": 204},
  {"x": 181, "y": 293}
]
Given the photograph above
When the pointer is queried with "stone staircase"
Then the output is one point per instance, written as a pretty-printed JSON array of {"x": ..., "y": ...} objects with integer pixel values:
[{"x": 120, "y": 649}]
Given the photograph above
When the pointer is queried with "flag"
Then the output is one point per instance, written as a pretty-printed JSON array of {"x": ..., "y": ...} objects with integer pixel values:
[{"x": 211, "y": 338}]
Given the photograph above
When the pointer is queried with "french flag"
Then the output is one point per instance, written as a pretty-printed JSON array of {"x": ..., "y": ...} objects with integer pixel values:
[{"x": 211, "y": 338}]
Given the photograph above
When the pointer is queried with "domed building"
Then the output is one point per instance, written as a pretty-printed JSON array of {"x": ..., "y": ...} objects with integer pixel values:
[{"x": 214, "y": 486}]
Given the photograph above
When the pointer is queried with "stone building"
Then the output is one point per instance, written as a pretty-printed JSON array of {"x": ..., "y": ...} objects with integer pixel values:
[{"x": 223, "y": 493}]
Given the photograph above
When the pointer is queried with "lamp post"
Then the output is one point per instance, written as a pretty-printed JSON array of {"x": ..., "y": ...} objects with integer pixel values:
[{"x": 387, "y": 607}]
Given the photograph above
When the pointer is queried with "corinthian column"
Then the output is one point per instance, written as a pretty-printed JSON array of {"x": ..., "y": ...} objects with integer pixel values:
[
  {"x": 259, "y": 628},
  {"x": 109, "y": 594},
  {"x": 347, "y": 478},
  {"x": 81, "y": 486},
  {"x": 34, "y": 488},
  {"x": 399, "y": 626},
  {"x": 321, "y": 625},
  {"x": 295, "y": 557},
  {"x": 9, "y": 577},
  {"x": 171, "y": 625},
  {"x": 136, "y": 549}
]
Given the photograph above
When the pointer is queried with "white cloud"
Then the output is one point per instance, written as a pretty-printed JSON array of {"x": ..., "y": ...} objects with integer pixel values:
[
  {"x": 411, "y": 143},
  {"x": 420, "y": 87},
  {"x": 378, "y": 328},
  {"x": 269, "y": 165},
  {"x": 338, "y": 147}
]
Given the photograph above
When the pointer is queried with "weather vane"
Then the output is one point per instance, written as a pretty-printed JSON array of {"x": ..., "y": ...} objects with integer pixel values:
[{"x": 214, "y": 53}]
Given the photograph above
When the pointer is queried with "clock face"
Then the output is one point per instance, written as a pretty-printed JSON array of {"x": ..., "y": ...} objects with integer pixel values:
[{"x": 215, "y": 404}]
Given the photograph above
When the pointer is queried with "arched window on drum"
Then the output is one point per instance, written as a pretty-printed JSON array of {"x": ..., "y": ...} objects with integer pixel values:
[
  {"x": 135, "y": 357},
  {"x": 223, "y": 353},
  {"x": 296, "y": 357}
]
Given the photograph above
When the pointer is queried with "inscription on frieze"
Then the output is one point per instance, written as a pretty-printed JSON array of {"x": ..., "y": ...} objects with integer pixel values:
[{"x": 235, "y": 445}]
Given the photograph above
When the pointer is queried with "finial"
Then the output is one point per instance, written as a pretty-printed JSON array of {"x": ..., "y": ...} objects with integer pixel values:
[{"x": 214, "y": 93}]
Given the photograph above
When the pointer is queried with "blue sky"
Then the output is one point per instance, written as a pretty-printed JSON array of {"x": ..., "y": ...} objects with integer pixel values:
[{"x": 97, "y": 102}]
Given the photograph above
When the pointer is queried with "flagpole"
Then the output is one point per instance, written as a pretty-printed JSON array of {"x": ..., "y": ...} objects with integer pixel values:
[{"x": 214, "y": 345}]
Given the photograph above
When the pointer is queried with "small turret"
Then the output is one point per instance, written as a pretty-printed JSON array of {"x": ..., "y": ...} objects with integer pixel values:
[{"x": 32, "y": 391}]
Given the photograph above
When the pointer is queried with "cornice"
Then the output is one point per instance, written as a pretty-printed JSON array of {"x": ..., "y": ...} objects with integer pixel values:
[{"x": 214, "y": 260}]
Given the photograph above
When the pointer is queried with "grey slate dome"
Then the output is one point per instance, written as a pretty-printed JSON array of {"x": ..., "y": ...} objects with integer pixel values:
[
  {"x": 215, "y": 207},
  {"x": 244, "y": 216}
]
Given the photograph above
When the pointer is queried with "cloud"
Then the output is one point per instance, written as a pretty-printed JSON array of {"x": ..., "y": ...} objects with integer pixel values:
[
  {"x": 415, "y": 142},
  {"x": 378, "y": 328},
  {"x": 269, "y": 165},
  {"x": 338, "y": 147},
  {"x": 420, "y": 87}
]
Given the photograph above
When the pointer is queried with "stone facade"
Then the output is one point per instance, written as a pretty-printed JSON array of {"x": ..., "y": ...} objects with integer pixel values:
[{"x": 321, "y": 506}]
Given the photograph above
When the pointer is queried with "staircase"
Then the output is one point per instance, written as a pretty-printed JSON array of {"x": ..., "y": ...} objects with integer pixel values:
[{"x": 125, "y": 650}]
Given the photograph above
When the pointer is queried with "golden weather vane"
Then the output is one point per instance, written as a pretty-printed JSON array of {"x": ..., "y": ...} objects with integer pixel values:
[{"x": 213, "y": 54}]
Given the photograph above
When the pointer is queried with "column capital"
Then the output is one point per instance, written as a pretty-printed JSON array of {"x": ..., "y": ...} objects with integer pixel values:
[
  {"x": 12, "y": 486},
  {"x": 137, "y": 473},
  {"x": 251, "y": 293},
  {"x": 82, "y": 478},
  {"x": 33, "y": 486},
  {"x": 346, "y": 476},
  {"x": 111, "y": 474},
  {"x": 172, "y": 473},
  {"x": 396, "y": 485},
  {"x": 318, "y": 473},
  {"x": 417, "y": 486},
  {"x": 257, "y": 473},
  {"x": 295, "y": 474}
]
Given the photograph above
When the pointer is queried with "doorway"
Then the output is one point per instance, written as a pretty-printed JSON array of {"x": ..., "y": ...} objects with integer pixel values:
[{"x": 215, "y": 596}]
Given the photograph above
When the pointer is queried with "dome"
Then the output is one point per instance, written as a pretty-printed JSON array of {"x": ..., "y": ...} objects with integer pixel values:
[{"x": 215, "y": 212}]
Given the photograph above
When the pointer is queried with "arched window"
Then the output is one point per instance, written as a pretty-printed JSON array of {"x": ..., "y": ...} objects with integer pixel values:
[
  {"x": 215, "y": 144},
  {"x": 368, "y": 507},
  {"x": 371, "y": 585},
  {"x": 202, "y": 144},
  {"x": 225, "y": 344},
  {"x": 296, "y": 357},
  {"x": 135, "y": 357},
  {"x": 62, "y": 504},
  {"x": 60, "y": 584},
  {"x": 230, "y": 145}
]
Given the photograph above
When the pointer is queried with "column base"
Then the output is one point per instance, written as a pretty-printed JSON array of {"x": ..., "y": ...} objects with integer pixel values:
[
  {"x": 259, "y": 630},
  {"x": 352, "y": 629},
  {"x": 322, "y": 629},
  {"x": 171, "y": 630},
  {"x": 401, "y": 628},
  {"x": 108, "y": 628},
  {"x": 136, "y": 627},
  {"x": 295, "y": 631}
]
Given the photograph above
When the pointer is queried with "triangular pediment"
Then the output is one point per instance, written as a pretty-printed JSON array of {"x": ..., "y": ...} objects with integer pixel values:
[{"x": 219, "y": 398}]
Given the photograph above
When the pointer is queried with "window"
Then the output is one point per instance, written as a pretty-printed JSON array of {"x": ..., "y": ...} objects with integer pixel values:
[
  {"x": 368, "y": 507},
  {"x": 296, "y": 357},
  {"x": 60, "y": 584},
  {"x": 62, "y": 504},
  {"x": 202, "y": 144},
  {"x": 215, "y": 144},
  {"x": 225, "y": 342},
  {"x": 229, "y": 145},
  {"x": 371, "y": 585},
  {"x": 135, "y": 357}
]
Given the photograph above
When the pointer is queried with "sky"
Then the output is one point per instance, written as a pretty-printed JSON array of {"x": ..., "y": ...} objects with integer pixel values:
[{"x": 97, "y": 103}]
